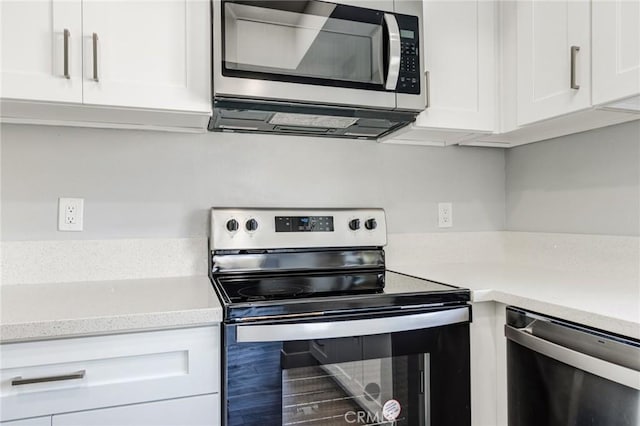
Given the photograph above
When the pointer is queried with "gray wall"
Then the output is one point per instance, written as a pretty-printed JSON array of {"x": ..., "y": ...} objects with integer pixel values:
[
  {"x": 152, "y": 184},
  {"x": 582, "y": 183}
]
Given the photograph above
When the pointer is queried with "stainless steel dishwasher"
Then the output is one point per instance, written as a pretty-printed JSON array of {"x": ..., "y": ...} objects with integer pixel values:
[{"x": 564, "y": 374}]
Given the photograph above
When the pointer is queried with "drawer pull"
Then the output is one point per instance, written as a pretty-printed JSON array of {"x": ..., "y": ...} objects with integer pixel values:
[{"x": 18, "y": 381}]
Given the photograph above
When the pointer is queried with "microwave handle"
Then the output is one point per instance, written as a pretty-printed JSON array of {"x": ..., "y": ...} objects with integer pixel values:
[{"x": 395, "y": 51}]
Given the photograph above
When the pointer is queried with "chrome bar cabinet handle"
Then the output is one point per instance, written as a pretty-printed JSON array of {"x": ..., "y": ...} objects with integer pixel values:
[
  {"x": 427, "y": 79},
  {"x": 66, "y": 73},
  {"x": 95, "y": 57},
  {"x": 574, "y": 54},
  {"x": 19, "y": 381}
]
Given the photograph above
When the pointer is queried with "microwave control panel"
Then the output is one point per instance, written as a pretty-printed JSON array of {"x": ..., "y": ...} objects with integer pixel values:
[{"x": 409, "y": 78}]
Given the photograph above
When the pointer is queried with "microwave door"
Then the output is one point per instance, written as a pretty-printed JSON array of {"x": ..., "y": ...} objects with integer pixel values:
[{"x": 310, "y": 51}]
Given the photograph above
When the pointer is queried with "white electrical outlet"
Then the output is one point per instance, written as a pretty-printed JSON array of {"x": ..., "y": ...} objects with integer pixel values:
[
  {"x": 445, "y": 215},
  {"x": 70, "y": 214}
]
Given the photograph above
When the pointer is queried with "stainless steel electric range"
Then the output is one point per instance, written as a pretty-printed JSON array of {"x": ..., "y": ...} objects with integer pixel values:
[{"x": 317, "y": 332}]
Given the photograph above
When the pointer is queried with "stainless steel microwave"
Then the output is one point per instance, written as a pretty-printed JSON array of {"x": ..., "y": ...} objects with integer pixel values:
[{"x": 352, "y": 68}]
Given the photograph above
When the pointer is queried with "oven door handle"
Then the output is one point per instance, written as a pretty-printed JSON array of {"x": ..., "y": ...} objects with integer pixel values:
[
  {"x": 360, "y": 327},
  {"x": 596, "y": 366},
  {"x": 395, "y": 51}
]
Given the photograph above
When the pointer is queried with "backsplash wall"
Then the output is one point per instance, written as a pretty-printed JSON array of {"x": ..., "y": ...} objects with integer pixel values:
[
  {"x": 587, "y": 183},
  {"x": 139, "y": 184}
]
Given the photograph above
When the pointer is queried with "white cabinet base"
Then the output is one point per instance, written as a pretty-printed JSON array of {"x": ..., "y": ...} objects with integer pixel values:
[
  {"x": 561, "y": 126},
  {"x": 488, "y": 365},
  {"x": 203, "y": 410},
  {"x": 107, "y": 371},
  {"x": 35, "y": 421},
  {"x": 45, "y": 113}
]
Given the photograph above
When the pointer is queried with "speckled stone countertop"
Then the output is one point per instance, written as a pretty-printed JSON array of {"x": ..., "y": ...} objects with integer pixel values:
[
  {"x": 596, "y": 300},
  {"x": 588, "y": 279},
  {"x": 44, "y": 311}
]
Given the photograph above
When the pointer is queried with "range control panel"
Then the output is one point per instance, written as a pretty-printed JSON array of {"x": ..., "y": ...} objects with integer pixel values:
[
  {"x": 304, "y": 224},
  {"x": 246, "y": 229},
  {"x": 409, "y": 78}
]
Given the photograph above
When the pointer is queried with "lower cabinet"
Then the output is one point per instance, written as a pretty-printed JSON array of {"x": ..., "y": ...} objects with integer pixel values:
[
  {"x": 203, "y": 410},
  {"x": 488, "y": 365},
  {"x": 36, "y": 421},
  {"x": 153, "y": 378}
]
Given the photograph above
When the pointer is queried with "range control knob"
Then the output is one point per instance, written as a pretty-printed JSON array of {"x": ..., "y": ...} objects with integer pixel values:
[
  {"x": 371, "y": 224},
  {"x": 232, "y": 225},
  {"x": 354, "y": 224},
  {"x": 251, "y": 225}
]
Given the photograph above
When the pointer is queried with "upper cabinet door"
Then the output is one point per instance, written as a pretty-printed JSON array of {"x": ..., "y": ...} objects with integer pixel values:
[
  {"x": 459, "y": 48},
  {"x": 41, "y": 50},
  {"x": 553, "y": 58},
  {"x": 616, "y": 49},
  {"x": 147, "y": 54}
]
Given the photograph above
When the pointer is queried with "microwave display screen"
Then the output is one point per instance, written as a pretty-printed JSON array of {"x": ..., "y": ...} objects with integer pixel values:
[{"x": 407, "y": 34}]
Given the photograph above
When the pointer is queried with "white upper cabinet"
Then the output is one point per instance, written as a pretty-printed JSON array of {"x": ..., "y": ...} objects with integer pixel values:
[
  {"x": 147, "y": 54},
  {"x": 41, "y": 50},
  {"x": 106, "y": 63},
  {"x": 459, "y": 48},
  {"x": 616, "y": 50},
  {"x": 553, "y": 58}
]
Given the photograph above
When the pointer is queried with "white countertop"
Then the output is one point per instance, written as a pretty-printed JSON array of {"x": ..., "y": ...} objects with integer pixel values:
[
  {"x": 590, "y": 280},
  {"x": 599, "y": 301},
  {"x": 40, "y": 311}
]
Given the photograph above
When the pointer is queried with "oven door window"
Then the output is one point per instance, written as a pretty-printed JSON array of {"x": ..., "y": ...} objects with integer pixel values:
[
  {"x": 372, "y": 391},
  {"x": 409, "y": 378},
  {"x": 310, "y": 42}
]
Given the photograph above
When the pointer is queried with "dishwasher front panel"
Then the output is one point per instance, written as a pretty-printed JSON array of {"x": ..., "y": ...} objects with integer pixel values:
[{"x": 563, "y": 374}]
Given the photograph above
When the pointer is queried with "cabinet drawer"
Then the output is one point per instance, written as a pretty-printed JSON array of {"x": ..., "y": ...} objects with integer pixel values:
[
  {"x": 203, "y": 410},
  {"x": 36, "y": 421},
  {"x": 55, "y": 376}
]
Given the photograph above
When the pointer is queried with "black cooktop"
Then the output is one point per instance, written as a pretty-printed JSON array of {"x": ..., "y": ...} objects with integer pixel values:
[
  {"x": 297, "y": 286},
  {"x": 248, "y": 297}
]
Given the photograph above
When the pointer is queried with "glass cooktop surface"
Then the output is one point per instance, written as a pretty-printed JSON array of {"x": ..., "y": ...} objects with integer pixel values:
[
  {"x": 273, "y": 288},
  {"x": 260, "y": 295}
]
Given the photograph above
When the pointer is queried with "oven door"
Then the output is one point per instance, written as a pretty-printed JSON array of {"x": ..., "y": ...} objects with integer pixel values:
[
  {"x": 405, "y": 369},
  {"x": 310, "y": 51}
]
